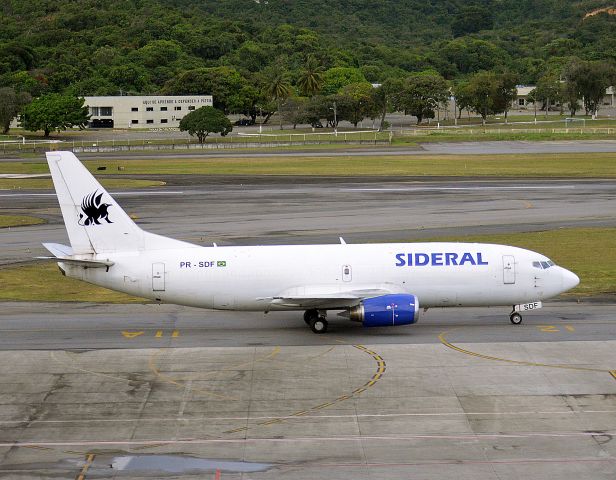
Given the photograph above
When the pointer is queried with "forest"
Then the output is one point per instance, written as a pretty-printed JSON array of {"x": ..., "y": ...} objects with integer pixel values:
[{"x": 268, "y": 48}]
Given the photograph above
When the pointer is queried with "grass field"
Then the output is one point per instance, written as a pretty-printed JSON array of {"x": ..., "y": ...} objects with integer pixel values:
[
  {"x": 526, "y": 165},
  {"x": 589, "y": 252},
  {"x": 43, "y": 282},
  {"x": 478, "y": 134},
  {"x": 19, "y": 220},
  {"x": 45, "y": 183}
]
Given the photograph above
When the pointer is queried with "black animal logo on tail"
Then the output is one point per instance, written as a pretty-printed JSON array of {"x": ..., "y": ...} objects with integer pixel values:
[{"x": 93, "y": 210}]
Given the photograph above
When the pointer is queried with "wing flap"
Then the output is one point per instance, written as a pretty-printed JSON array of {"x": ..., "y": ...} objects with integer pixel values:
[{"x": 329, "y": 296}]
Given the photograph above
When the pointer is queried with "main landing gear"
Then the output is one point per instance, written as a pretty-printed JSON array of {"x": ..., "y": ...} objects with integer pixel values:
[
  {"x": 515, "y": 318},
  {"x": 316, "y": 320}
]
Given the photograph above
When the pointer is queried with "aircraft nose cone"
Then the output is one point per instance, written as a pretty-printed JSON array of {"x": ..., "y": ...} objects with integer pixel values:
[{"x": 570, "y": 279}]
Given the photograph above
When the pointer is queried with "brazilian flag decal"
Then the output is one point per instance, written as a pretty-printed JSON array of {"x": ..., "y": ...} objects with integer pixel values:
[{"x": 221, "y": 264}]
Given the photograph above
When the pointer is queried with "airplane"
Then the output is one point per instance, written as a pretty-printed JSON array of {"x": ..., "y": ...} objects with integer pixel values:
[{"x": 374, "y": 284}]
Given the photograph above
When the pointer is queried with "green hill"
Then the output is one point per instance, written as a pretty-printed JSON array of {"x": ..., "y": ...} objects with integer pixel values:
[{"x": 104, "y": 47}]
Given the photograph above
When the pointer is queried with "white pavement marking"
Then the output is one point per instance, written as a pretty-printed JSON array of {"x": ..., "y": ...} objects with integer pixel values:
[
  {"x": 311, "y": 418},
  {"x": 347, "y": 438}
]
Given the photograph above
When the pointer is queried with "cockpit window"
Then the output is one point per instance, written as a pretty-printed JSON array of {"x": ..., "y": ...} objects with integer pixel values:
[{"x": 543, "y": 265}]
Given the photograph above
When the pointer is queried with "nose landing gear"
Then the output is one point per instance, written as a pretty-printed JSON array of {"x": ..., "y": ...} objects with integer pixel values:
[
  {"x": 515, "y": 318},
  {"x": 316, "y": 320}
]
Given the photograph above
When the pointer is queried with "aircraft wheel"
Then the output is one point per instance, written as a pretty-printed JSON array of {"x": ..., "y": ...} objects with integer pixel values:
[
  {"x": 310, "y": 315},
  {"x": 515, "y": 318},
  {"x": 318, "y": 325}
]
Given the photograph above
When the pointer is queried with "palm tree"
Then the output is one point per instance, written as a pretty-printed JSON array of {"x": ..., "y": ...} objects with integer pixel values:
[
  {"x": 278, "y": 88},
  {"x": 310, "y": 80}
]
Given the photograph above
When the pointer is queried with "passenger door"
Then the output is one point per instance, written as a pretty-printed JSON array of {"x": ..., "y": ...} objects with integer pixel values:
[{"x": 508, "y": 269}]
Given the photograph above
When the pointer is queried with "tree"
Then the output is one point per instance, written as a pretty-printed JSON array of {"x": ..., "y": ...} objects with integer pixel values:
[
  {"x": 11, "y": 104},
  {"x": 548, "y": 91},
  {"x": 463, "y": 97},
  {"x": 591, "y": 80},
  {"x": 471, "y": 19},
  {"x": 336, "y": 78},
  {"x": 359, "y": 102},
  {"x": 223, "y": 83},
  {"x": 294, "y": 110},
  {"x": 422, "y": 94},
  {"x": 386, "y": 97},
  {"x": 205, "y": 120},
  {"x": 471, "y": 55},
  {"x": 310, "y": 79},
  {"x": 532, "y": 97},
  {"x": 55, "y": 112},
  {"x": 278, "y": 88},
  {"x": 488, "y": 93},
  {"x": 507, "y": 92},
  {"x": 481, "y": 91}
]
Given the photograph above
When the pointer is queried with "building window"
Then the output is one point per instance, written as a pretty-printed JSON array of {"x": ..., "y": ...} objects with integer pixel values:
[
  {"x": 163, "y": 109},
  {"x": 177, "y": 108},
  {"x": 106, "y": 111},
  {"x": 149, "y": 109},
  {"x": 163, "y": 120},
  {"x": 191, "y": 107},
  {"x": 134, "y": 122},
  {"x": 134, "y": 109},
  {"x": 149, "y": 121},
  {"x": 94, "y": 111},
  {"x": 521, "y": 102}
]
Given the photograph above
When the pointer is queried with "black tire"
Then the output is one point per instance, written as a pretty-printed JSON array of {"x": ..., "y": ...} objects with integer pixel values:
[
  {"x": 515, "y": 318},
  {"x": 318, "y": 325}
]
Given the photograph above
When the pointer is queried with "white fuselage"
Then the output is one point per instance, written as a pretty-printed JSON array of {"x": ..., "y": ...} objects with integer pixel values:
[{"x": 248, "y": 278}]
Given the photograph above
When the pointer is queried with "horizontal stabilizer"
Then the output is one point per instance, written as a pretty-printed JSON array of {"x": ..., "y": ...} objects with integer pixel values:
[
  {"x": 81, "y": 263},
  {"x": 64, "y": 253}
]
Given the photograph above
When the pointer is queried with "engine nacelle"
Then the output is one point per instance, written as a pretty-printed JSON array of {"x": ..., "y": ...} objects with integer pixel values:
[{"x": 386, "y": 310}]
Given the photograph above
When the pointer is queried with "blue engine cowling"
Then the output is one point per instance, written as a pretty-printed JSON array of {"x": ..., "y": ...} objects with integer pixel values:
[{"x": 387, "y": 310}]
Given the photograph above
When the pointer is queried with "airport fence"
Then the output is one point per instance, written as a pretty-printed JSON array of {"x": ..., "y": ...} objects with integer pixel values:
[{"x": 256, "y": 140}]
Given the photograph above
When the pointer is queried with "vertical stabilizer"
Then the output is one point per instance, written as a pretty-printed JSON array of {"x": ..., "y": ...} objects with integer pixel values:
[{"x": 94, "y": 221}]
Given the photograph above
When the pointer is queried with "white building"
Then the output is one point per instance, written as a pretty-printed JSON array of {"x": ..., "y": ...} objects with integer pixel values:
[
  {"x": 151, "y": 111},
  {"x": 522, "y": 101}
]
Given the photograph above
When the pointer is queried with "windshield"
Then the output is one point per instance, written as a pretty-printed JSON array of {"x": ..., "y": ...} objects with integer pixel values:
[{"x": 543, "y": 265}]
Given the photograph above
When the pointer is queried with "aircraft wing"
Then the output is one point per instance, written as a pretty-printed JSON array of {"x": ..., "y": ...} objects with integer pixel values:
[{"x": 329, "y": 296}]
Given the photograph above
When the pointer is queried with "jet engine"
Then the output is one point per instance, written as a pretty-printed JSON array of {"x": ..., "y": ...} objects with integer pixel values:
[{"x": 386, "y": 311}]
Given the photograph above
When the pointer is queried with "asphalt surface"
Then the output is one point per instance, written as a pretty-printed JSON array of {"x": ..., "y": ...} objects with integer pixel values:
[
  {"x": 89, "y": 326},
  {"x": 162, "y": 391},
  {"x": 463, "y": 394}
]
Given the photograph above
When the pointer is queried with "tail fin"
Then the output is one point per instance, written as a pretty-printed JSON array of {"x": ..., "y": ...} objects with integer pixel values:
[{"x": 94, "y": 221}]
